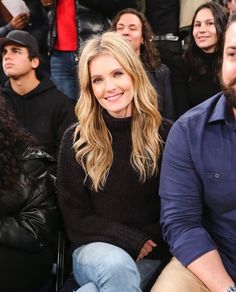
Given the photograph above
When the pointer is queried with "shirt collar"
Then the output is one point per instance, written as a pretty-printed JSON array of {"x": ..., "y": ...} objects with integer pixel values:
[{"x": 222, "y": 112}]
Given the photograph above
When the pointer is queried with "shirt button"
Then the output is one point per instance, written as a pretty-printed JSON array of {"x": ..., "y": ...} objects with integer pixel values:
[{"x": 217, "y": 175}]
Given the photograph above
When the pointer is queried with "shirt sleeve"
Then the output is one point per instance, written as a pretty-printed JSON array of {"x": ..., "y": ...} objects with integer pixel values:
[
  {"x": 168, "y": 104},
  {"x": 181, "y": 194},
  {"x": 4, "y": 30},
  {"x": 82, "y": 224}
]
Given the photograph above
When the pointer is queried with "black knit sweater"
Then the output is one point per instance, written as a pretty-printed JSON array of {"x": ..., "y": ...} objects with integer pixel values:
[
  {"x": 203, "y": 86},
  {"x": 126, "y": 212}
]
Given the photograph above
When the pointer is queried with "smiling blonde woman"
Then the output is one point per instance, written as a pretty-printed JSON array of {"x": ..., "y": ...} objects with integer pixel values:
[{"x": 108, "y": 171}]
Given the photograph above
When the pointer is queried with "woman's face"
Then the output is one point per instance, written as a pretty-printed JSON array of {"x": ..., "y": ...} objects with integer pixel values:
[
  {"x": 111, "y": 85},
  {"x": 130, "y": 27},
  {"x": 204, "y": 31}
]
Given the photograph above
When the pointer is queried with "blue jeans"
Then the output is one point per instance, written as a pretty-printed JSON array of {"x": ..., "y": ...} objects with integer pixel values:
[
  {"x": 63, "y": 73},
  {"x": 102, "y": 267}
]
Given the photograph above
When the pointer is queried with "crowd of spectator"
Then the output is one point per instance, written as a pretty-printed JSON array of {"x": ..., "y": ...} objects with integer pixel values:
[{"x": 93, "y": 94}]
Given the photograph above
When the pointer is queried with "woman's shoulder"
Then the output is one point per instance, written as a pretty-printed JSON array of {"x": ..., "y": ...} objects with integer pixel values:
[
  {"x": 68, "y": 137},
  {"x": 69, "y": 133}
]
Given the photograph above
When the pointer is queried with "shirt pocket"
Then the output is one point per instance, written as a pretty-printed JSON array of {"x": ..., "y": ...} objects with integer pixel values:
[{"x": 219, "y": 189}]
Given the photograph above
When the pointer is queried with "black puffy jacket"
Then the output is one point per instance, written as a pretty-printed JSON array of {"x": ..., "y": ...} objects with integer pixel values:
[{"x": 28, "y": 212}]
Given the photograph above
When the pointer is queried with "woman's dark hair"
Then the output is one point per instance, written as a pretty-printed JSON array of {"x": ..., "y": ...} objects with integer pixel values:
[
  {"x": 148, "y": 51},
  {"x": 13, "y": 140},
  {"x": 193, "y": 55},
  {"x": 232, "y": 19}
]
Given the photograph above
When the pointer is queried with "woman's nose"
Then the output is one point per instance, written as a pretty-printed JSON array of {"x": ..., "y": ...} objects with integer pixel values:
[{"x": 110, "y": 85}]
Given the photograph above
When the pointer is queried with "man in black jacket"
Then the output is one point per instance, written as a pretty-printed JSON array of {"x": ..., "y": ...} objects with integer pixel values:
[
  {"x": 41, "y": 108},
  {"x": 164, "y": 18}
]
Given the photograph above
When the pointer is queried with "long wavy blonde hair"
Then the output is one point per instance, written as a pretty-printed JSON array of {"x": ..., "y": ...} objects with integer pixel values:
[{"x": 92, "y": 139}]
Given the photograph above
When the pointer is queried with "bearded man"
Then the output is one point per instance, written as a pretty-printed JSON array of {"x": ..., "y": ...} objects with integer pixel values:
[{"x": 198, "y": 190}]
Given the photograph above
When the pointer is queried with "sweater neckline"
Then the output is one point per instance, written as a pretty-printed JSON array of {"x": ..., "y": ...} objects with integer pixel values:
[
  {"x": 115, "y": 123},
  {"x": 208, "y": 57}
]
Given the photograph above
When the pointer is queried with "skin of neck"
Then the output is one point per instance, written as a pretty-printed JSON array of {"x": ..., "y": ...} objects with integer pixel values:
[
  {"x": 137, "y": 52},
  {"x": 234, "y": 111}
]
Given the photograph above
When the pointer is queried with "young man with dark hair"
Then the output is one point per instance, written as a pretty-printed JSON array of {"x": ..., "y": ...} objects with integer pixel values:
[{"x": 40, "y": 107}]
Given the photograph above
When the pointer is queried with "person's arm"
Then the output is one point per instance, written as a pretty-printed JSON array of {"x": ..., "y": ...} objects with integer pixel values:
[
  {"x": 181, "y": 194},
  {"x": 63, "y": 117},
  {"x": 4, "y": 30},
  {"x": 210, "y": 270},
  {"x": 168, "y": 104},
  {"x": 82, "y": 223},
  {"x": 30, "y": 209},
  {"x": 17, "y": 22}
]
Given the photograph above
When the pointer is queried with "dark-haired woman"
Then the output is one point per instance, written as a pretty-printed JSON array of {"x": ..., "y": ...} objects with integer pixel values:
[
  {"x": 202, "y": 58},
  {"x": 134, "y": 27},
  {"x": 27, "y": 209}
]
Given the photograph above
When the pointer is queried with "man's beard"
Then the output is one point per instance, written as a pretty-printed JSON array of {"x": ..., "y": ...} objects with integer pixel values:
[{"x": 229, "y": 91}]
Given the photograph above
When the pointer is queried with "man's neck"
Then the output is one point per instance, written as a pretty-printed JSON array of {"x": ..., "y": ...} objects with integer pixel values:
[
  {"x": 234, "y": 111},
  {"x": 24, "y": 85}
]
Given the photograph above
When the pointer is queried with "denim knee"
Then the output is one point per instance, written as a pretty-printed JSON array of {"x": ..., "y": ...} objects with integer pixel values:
[{"x": 105, "y": 264}]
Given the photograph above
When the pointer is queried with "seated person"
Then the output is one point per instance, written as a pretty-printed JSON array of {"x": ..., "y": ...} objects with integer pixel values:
[
  {"x": 28, "y": 214},
  {"x": 17, "y": 22},
  {"x": 198, "y": 190},
  {"x": 43, "y": 110},
  {"x": 108, "y": 171}
]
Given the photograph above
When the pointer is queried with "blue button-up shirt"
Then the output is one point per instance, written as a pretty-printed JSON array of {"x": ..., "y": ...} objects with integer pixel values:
[{"x": 198, "y": 184}]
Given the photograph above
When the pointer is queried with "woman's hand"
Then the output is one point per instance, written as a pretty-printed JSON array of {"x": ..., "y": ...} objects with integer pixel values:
[{"x": 146, "y": 249}]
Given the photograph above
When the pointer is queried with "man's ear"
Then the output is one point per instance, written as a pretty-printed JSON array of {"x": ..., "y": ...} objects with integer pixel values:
[{"x": 35, "y": 62}]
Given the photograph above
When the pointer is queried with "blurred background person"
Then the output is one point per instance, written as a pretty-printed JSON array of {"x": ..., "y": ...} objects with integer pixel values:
[
  {"x": 38, "y": 27},
  {"x": 134, "y": 27},
  {"x": 71, "y": 22},
  {"x": 203, "y": 55},
  {"x": 17, "y": 22},
  {"x": 7, "y": 24},
  {"x": 39, "y": 106},
  {"x": 230, "y": 6},
  {"x": 34, "y": 22},
  {"x": 164, "y": 19}
]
